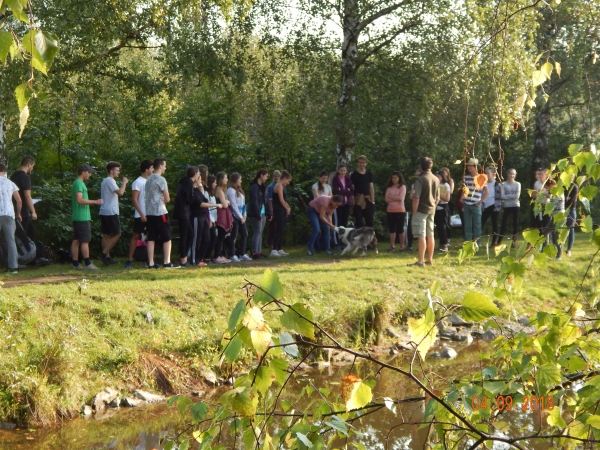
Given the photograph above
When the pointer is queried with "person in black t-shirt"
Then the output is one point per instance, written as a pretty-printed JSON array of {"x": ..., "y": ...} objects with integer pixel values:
[
  {"x": 23, "y": 181},
  {"x": 364, "y": 194}
]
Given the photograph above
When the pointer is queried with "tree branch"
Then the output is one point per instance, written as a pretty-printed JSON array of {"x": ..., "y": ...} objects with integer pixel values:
[{"x": 383, "y": 12}]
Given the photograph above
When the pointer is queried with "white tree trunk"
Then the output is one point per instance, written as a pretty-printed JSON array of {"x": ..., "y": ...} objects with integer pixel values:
[{"x": 3, "y": 155}]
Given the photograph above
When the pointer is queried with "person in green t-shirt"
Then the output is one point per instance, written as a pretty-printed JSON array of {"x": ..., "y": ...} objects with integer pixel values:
[{"x": 82, "y": 229}]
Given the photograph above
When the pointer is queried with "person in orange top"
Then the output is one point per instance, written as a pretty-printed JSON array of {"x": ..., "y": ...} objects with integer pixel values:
[{"x": 396, "y": 211}]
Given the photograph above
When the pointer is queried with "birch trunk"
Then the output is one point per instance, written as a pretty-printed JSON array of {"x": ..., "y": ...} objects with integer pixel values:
[
  {"x": 3, "y": 154},
  {"x": 346, "y": 101},
  {"x": 543, "y": 122}
]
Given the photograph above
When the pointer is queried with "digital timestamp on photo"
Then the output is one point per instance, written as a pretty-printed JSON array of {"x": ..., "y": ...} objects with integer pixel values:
[{"x": 505, "y": 402}]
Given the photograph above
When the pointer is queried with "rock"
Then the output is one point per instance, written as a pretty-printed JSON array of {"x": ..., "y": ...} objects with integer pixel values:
[
  {"x": 391, "y": 332},
  {"x": 404, "y": 346},
  {"x": 524, "y": 321},
  {"x": 210, "y": 377},
  {"x": 320, "y": 364},
  {"x": 198, "y": 393},
  {"x": 448, "y": 353},
  {"x": 149, "y": 317},
  {"x": 86, "y": 410},
  {"x": 104, "y": 414},
  {"x": 103, "y": 398},
  {"x": 115, "y": 403},
  {"x": 462, "y": 337},
  {"x": 448, "y": 333},
  {"x": 435, "y": 355},
  {"x": 9, "y": 425},
  {"x": 148, "y": 397},
  {"x": 457, "y": 321},
  {"x": 132, "y": 402},
  {"x": 341, "y": 357},
  {"x": 299, "y": 366},
  {"x": 490, "y": 334},
  {"x": 393, "y": 351}
]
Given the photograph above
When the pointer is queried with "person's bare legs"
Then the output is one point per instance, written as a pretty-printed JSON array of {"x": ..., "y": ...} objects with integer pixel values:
[
  {"x": 401, "y": 240},
  {"x": 421, "y": 250},
  {"x": 167, "y": 252},
  {"x": 430, "y": 248},
  {"x": 392, "y": 239},
  {"x": 133, "y": 245},
  {"x": 109, "y": 243},
  {"x": 75, "y": 250},
  {"x": 150, "y": 253}
]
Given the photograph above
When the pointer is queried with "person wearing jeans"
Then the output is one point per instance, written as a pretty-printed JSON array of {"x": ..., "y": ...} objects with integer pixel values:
[
  {"x": 492, "y": 204},
  {"x": 510, "y": 193},
  {"x": 257, "y": 205},
  {"x": 237, "y": 206},
  {"x": 472, "y": 202},
  {"x": 8, "y": 213},
  {"x": 281, "y": 211},
  {"x": 319, "y": 213}
]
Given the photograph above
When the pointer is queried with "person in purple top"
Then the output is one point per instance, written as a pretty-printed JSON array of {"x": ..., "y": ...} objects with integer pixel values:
[
  {"x": 319, "y": 212},
  {"x": 342, "y": 185}
]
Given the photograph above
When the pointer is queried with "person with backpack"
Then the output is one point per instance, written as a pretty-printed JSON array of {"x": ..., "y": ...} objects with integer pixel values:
[{"x": 22, "y": 179}]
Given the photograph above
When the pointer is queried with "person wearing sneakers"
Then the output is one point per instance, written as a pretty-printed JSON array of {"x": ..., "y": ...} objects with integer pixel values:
[
  {"x": 156, "y": 196},
  {"x": 82, "y": 228},
  {"x": 224, "y": 221},
  {"x": 9, "y": 191},
  {"x": 511, "y": 191},
  {"x": 396, "y": 212},
  {"x": 472, "y": 202},
  {"x": 257, "y": 206},
  {"x": 237, "y": 206},
  {"x": 320, "y": 212},
  {"x": 110, "y": 226},
  {"x": 272, "y": 224},
  {"x": 425, "y": 200},
  {"x": 138, "y": 191},
  {"x": 183, "y": 200},
  {"x": 281, "y": 210},
  {"x": 201, "y": 221}
]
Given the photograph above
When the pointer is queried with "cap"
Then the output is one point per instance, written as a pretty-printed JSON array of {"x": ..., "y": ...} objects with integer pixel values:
[
  {"x": 85, "y": 168},
  {"x": 472, "y": 162}
]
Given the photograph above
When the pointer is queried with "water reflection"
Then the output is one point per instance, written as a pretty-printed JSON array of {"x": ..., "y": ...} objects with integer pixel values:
[{"x": 142, "y": 429}]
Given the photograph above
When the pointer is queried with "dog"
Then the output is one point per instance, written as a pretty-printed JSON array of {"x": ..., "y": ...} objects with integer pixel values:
[{"x": 356, "y": 238}]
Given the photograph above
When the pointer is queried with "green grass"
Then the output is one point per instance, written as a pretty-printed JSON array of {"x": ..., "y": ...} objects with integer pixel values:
[{"x": 63, "y": 342}]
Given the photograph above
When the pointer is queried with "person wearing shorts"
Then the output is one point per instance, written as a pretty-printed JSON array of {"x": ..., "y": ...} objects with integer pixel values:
[
  {"x": 138, "y": 190},
  {"x": 110, "y": 226},
  {"x": 426, "y": 197},
  {"x": 156, "y": 196},
  {"x": 82, "y": 229}
]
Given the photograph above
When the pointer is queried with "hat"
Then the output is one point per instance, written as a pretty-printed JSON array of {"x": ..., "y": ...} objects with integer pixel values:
[
  {"x": 85, "y": 168},
  {"x": 472, "y": 162}
]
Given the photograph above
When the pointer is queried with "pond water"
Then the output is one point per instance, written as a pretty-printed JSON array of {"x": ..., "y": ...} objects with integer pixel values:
[{"x": 141, "y": 429}]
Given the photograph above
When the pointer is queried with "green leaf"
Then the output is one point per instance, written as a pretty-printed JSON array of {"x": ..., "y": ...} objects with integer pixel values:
[
  {"x": 280, "y": 367},
  {"x": 594, "y": 173},
  {"x": 233, "y": 349},
  {"x": 587, "y": 226},
  {"x": 596, "y": 237},
  {"x": 476, "y": 307},
  {"x": 338, "y": 424},
  {"x": 47, "y": 47},
  {"x": 574, "y": 149},
  {"x": 6, "y": 41},
  {"x": 532, "y": 236},
  {"x": 540, "y": 260},
  {"x": 28, "y": 42},
  {"x": 260, "y": 341},
  {"x": 185, "y": 444},
  {"x": 286, "y": 338},
  {"x": 242, "y": 400},
  {"x": 253, "y": 319},
  {"x": 538, "y": 77},
  {"x": 550, "y": 251},
  {"x": 172, "y": 400},
  {"x": 423, "y": 331},
  {"x": 198, "y": 411},
  {"x": 361, "y": 396},
  {"x": 236, "y": 316},
  {"x": 584, "y": 159},
  {"x": 271, "y": 284},
  {"x": 494, "y": 387},
  {"x": 302, "y": 438},
  {"x": 548, "y": 376},
  {"x": 566, "y": 178},
  {"x": 546, "y": 69},
  {"x": 594, "y": 421},
  {"x": 23, "y": 93},
  {"x": 264, "y": 379},
  {"x": 556, "y": 63},
  {"x": 16, "y": 6},
  {"x": 292, "y": 320},
  {"x": 588, "y": 192},
  {"x": 183, "y": 403}
]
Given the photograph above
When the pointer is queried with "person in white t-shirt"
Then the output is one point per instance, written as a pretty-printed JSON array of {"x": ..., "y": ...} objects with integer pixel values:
[
  {"x": 8, "y": 214},
  {"x": 138, "y": 188},
  {"x": 110, "y": 225}
]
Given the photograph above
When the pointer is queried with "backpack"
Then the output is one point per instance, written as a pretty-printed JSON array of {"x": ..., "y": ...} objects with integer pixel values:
[{"x": 26, "y": 249}]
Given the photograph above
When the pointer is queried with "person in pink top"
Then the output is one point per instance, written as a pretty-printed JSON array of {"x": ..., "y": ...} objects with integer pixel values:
[
  {"x": 319, "y": 213},
  {"x": 396, "y": 212}
]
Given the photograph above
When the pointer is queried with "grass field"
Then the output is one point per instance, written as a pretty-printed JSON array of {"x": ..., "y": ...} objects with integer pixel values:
[{"x": 64, "y": 341}]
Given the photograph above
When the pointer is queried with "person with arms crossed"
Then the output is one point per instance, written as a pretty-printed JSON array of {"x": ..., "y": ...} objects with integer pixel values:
[
  {"x": 82, "y": 227},
  {"x": 364, "y": 192},
  {"x": 110, "y": 225}
]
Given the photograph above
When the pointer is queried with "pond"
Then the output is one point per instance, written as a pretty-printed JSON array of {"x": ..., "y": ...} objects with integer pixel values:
[{"x": 141, "y": 429}]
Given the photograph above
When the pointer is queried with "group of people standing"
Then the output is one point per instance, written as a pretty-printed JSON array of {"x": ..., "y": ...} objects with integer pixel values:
[{"x": 207, "y": 209}]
